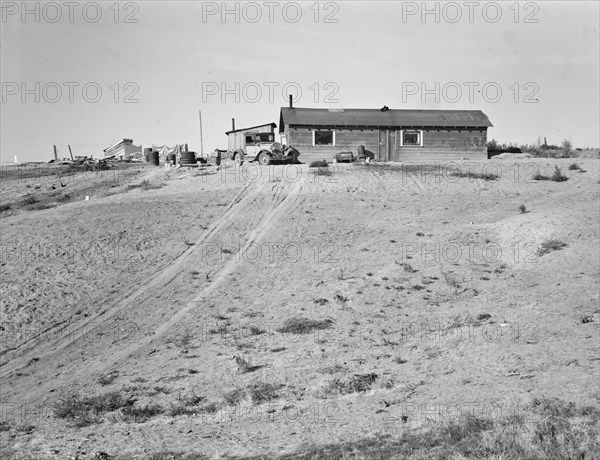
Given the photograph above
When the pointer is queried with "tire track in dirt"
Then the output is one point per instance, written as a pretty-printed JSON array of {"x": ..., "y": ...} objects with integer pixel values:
[
  {"x": 170, "y": 272},
  {"x": 284, "y": 197}
]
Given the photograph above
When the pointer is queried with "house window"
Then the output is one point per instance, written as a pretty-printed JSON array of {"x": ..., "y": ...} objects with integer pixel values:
[
  {"x": 411, "y": 137},
  {"x": 323, "y": 137}
]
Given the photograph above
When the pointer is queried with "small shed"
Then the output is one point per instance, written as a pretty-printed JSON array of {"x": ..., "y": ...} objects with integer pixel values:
[
  {"x": 391, "y": 135},
  {"x": 236, "y": 136}
]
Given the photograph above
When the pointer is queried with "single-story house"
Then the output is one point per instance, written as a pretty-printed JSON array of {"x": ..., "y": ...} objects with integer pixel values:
[
  {"x": 391, "y": 135},
  {"x": 123, "y": 148}
]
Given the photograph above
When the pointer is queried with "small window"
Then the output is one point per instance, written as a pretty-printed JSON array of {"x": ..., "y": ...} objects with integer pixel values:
[
  {"x": 323, "y": 137},
  {"x": 266, "y": 137},
  {"x": 412, "y": 138},
  {"x": 249, "y": 140}
]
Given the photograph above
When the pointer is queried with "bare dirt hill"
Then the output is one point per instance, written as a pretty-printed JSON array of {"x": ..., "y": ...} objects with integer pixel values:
[{"x": 263, "y": 311}]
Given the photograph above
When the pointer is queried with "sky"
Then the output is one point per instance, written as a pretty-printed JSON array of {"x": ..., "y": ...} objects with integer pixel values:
[{"x": 88, "y": 74}]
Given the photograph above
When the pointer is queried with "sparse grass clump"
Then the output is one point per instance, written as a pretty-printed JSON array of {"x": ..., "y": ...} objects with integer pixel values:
[
  {"x": 345, "y": 385},
  {"x": 83, "y": 411},
  {"x": 550, "y": 245},
  {"x": 558, "y": 176},
  {"x": 304, "y": 325},
  {"x": 263, "y": 392},
  {"x": 574, "y": 167},
  {"x": 408, "y": 267},
  {"x": 109, "y": 378},
  {"x": 134, "y": 414},
  {"x": 5, "y": 207},
  {"x": 473, "y": 175},
  {"x": 146, "y": 185},
  {"x": 522, "y": 209},
  {"x": 318, "y": 164}
]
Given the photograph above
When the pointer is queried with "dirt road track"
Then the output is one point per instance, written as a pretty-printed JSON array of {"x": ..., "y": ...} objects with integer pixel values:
[{"x": 143, "y": 306}]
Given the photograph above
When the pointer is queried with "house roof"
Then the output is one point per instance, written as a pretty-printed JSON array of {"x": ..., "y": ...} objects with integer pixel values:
[
  {"x": 251, "y": 127},
  {"x": 375, "y": 118}
]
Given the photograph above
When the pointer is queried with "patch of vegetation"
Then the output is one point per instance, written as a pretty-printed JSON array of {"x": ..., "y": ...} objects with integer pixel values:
[
  {"x": 574, "y": 167},
  {"x": 234, "y": 397},
  {"x": 146, "y": 185},
  {"x": 192, "y": 404},
  {"x": 83, "y": 411},
  {"x": 508, "y": 438},
  {"x": 165, "y": 455},
  {"x": 132, "y": 414},
  {"x": 408, "y": 267},
  {"x": 304, "y": 325},
  {"x": 473, "y": 175},
  {"x": 558, "y": 176},
  {"x": 109, "y": 378},
  {"x": 263, "y": 392},
  {"x": 522, "y": 209},
  {"x": 5, "y": 207},
  {"x": 345, "y": 385},
  {"x": 318, "y": 164},
  {"x": 550, "y": 245},
  {"x": 324, "y": 172}
]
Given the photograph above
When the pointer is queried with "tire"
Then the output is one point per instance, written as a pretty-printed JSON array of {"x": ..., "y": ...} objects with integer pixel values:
[
  {"x": 238, "y": 157},
  {"x": 264, "y": 158}
]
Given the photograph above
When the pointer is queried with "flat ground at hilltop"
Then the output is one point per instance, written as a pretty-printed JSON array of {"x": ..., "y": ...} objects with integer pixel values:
[{"x": 265, "y": 311}]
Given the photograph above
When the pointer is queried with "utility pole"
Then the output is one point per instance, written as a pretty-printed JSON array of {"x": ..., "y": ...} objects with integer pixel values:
[
  {"x": 201, "y": 141},
  {"x": 55, "y": 154},
  {"x": 71, "y": 153}
]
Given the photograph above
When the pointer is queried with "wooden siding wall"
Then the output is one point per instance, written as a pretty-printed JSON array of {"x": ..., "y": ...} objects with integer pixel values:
[
  {"x": 345, "y": 140},
  {"x": 440, "y": 145}
]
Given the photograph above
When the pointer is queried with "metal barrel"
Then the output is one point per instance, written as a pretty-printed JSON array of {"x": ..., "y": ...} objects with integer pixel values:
[{"x": 153, "y": 158}]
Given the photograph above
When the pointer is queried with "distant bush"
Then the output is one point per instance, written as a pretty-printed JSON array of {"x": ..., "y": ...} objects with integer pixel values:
[
  {"x": 574, "y": 167},
  {"x": 522, "y": 209}
]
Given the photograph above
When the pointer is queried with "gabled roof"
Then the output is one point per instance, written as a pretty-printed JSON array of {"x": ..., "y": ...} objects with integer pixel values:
[
  {"x": 375, "y": 118},
  {"x": 251, "y": 127}
]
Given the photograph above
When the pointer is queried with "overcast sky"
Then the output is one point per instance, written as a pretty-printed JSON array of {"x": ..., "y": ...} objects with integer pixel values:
[{"x": 144, "y": 70}]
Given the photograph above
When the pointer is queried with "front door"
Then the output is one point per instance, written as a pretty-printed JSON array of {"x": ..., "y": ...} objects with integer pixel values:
[{"x": 383, "y": 145}]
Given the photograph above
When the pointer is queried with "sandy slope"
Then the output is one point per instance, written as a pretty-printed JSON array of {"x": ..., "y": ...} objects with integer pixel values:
[{"x": 266, "y": 249}]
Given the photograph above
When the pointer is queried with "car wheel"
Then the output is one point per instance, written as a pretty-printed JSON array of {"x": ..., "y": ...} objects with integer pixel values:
[
  {"x": 238, "y": 158},
  {"x": 264, "y": 158}
]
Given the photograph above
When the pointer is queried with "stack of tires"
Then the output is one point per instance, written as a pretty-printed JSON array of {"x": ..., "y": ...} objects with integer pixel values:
[{"x": 188, "y": 159}]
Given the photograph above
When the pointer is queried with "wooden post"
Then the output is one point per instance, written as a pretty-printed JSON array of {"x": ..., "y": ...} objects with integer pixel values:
[
  {"x": 55, "y": 154},
  {"x": 201, "y": 144},
  {"x": 71, "y": 153}
]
